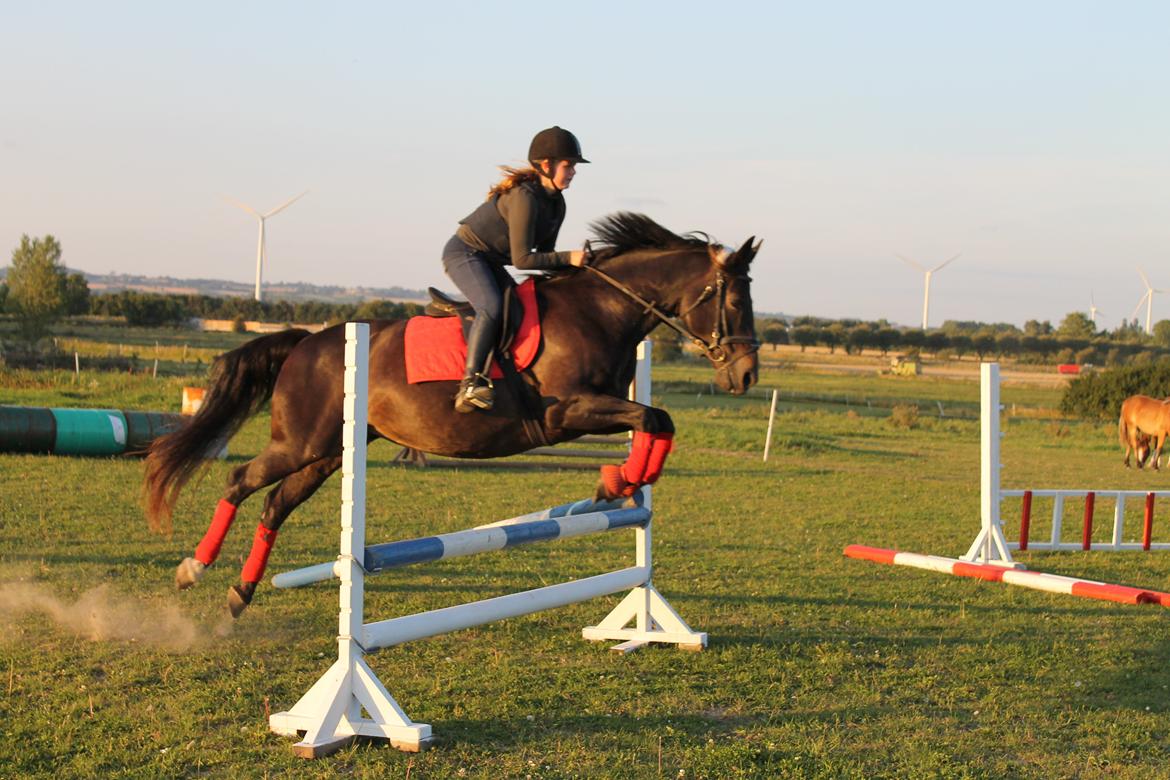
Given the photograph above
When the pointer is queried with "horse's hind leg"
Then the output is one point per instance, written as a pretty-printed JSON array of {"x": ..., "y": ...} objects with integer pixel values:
[
  {"x": 292, "y": 491},
  {"x": 269, "y": 466}
]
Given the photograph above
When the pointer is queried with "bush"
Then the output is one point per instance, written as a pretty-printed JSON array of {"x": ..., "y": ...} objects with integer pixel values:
[
  {"x": 904, "y": 416},
  {"x": 1098, "y": 396}
]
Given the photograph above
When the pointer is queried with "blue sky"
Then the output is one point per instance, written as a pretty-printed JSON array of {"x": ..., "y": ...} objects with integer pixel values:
[{"x": 1031, "y": 137}]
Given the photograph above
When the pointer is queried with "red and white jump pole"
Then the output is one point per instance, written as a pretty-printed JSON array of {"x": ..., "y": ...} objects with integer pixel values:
[{"x": 1052, "y": 583}]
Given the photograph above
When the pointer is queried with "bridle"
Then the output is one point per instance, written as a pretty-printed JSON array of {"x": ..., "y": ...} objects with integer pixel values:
[{"x": 713, "y": 349}]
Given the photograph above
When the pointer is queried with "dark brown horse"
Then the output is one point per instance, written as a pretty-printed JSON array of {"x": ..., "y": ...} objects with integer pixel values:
[{"x": 592, "y": 322}]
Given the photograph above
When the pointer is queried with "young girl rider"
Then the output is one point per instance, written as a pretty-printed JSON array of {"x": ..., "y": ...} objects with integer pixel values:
[{"x": 517, "y": 225}]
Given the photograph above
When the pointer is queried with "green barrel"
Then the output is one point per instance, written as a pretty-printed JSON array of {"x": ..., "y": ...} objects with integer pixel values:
[
  {"x": 145, "y": 427},
  {"x": 27, "y": 429},
  {"x": 82, "y": 431},
  {"x": 90, "y": 432}
]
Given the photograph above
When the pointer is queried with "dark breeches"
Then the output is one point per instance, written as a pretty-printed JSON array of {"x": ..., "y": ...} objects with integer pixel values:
[{"x": 477, "y": 278}]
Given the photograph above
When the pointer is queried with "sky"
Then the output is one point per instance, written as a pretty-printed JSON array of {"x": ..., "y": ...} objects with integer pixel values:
[{"x": 1031, "y": 137}]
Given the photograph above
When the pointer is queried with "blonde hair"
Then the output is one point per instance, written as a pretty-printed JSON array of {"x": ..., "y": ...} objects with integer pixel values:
[{"x": 512, "y": 178}]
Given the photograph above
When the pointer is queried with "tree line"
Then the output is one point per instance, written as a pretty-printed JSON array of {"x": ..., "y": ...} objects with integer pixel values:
[
  {"x": 1075, "y": 340},
  {"x": 39, "y": 290}
]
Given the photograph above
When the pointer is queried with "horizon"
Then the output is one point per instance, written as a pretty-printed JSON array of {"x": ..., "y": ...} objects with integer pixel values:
[{"x": 1030, "y": 139}]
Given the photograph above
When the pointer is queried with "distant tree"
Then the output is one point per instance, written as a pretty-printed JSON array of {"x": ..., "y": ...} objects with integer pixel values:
[
  {"x": 935, "y": 342},
  {"x": 151, "y": 310},
  {"x": 3, "y": 295},
  {"x": 805, "y": 336},
  {"x": 775, "y": 333},
  {"x": 36, "y": 284},
  {"x": 960, "y": 344},
  {"x": 1076, "y": 325},
  {"x": 831, "y": 337},
  {"x": 983, "y": 342},
  {"x": 1007, "y": 343},
  {"x": 1129, "y": 331},
  {"x": 76, "y": 293},
  {"x": 860, "y": 338},
  {"x": 1162, "y": 333},
  {"x": 911, "y": 339},
  {"x": 1037, "y": 328},
  {"x": 886, "y": 339}
]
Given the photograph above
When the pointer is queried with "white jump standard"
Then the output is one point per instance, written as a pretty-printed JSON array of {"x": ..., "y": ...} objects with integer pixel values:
[
  {"x": 349, "y": 700},
  {"x": 989, "y": 557},
  {"x": 992, "y": 546}
]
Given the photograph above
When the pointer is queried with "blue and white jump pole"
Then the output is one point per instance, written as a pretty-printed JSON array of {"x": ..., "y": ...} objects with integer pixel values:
[{"x": 330, "y": 713}]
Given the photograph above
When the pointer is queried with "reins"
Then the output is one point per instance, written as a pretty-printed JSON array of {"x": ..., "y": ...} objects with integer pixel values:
[{"x": 713, "y": 349}]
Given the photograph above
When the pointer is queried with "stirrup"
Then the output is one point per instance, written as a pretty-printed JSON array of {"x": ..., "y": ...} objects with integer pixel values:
[{"x": 473, "y": 395}]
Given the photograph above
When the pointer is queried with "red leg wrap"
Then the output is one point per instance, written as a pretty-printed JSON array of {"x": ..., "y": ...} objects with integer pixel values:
[
  {"x": 634, "y": 469},
  {"x": 208, "y": 549},
  {"x": 258, "y": 558},
  {"x": 611, "y": 477},
  {"x": 663, "y": 446}
]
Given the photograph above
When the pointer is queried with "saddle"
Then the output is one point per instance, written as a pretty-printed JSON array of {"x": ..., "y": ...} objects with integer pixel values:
[{"x": 443, "y": 305}]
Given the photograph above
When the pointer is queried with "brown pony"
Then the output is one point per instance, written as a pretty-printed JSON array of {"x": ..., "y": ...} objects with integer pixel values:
[
  {"x": 1144, "y": 424},
  {"x": 592, "y": 322}
]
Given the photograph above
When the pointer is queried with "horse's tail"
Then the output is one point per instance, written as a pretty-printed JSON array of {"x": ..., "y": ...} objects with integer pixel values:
[
  {"x": 1122, "y": 433},
  {"x": 241, "y": 382}
]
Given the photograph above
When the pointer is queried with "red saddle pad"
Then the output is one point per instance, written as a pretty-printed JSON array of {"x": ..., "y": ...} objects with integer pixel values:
[{"x": 435, "y": 349}]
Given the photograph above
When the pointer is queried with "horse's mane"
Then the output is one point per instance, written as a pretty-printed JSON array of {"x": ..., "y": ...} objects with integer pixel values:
[{"x": 625, "y": 232}]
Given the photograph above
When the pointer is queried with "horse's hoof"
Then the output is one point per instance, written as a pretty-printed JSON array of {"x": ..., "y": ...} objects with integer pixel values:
[
  {"x": 189, "y": 572},
  {"x": 238, "y": 600}
]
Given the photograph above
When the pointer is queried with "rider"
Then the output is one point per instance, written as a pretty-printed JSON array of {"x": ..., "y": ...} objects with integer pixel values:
[{"x": 517, "y": 225}]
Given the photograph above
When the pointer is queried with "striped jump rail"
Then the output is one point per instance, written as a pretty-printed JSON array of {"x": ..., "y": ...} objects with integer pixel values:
[
  {"x": 561, "y": 522},
  {"x": 1052, "y": 583}
]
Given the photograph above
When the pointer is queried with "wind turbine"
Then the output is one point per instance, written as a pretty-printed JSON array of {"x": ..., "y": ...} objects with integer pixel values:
[
  {"x": 261, "y": 252},
  {"x": 1148, "y": 300},
  {"x": 1093, "y": 311},
  {"x": 926, "y": 283}
]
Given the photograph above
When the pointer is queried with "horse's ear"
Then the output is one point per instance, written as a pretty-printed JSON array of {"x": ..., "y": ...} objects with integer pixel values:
[{"x": 744, "y": 255}]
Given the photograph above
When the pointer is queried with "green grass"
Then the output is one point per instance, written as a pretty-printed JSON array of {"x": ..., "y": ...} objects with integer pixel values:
[{"x": 818, "y": 666}]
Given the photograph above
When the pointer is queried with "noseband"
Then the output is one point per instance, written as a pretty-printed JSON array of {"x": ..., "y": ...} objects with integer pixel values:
[{"x": 713, "y": 349}]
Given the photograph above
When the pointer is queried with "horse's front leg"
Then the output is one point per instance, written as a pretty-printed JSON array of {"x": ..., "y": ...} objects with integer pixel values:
[{"x": 652, "y": 442}]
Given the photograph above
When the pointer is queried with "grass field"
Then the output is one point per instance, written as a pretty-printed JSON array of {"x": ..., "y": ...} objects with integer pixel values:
[{"x": 818, "y": 666}]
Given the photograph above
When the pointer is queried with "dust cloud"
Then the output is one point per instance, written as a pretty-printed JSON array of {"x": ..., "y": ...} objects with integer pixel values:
[{"x": 100, "y": 614}]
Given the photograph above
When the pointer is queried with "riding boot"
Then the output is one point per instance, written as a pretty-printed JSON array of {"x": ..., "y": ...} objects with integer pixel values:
[{"x": 476, "y": 390}]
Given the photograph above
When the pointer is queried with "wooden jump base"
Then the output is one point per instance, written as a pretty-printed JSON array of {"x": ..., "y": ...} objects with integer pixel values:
[
  {"x": 1052, "y": 583},
  {"x": 349, "y": 700},
  {"x": 992, "y": 546}
]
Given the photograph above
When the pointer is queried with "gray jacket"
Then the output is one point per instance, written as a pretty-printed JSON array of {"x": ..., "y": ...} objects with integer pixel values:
[{"x": 519, "y": 227}]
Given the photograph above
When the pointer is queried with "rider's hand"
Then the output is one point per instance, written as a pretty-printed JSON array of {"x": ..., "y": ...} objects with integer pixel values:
[{"x": 577, "y": 258}]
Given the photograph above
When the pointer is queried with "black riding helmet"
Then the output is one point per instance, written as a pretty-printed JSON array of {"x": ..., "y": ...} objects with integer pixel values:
[{"x": 555, "y": 143}]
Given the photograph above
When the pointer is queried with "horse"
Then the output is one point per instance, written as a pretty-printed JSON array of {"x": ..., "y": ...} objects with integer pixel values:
[
  {"x": 1143, "y": 418},
  {"x": 640, "y": 275}
]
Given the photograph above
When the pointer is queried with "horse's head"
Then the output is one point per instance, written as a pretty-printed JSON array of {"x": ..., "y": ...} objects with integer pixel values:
[
  {"x": 703, "y": 292},
  {"x": 718, "y": 312}
]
